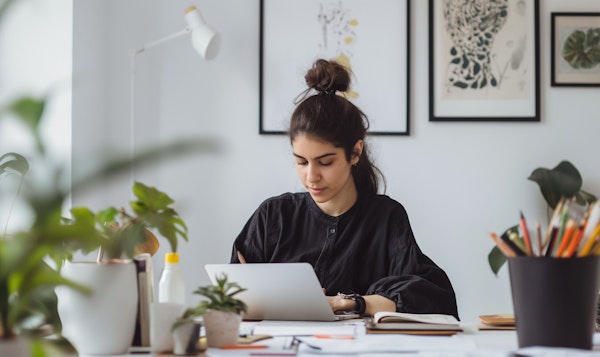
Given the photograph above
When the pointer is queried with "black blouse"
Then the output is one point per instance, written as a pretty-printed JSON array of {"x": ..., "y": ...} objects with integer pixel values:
[{"x": 370, "y": 249}]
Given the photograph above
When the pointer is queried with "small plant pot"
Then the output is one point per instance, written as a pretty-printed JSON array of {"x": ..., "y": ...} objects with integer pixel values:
[
  {"x": 222, "y": 328},
  {"x": 185, "y": 339}
]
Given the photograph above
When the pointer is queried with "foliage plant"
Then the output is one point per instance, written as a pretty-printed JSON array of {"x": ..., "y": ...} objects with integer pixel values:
[
  {"x": 123, "y": 233},
  {"x": 564, "y": 180},
  {"x": 220, "y": 297}
]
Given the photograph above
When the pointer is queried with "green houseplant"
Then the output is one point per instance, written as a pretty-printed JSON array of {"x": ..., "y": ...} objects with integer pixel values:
[
  {"x": 221, "y": 310},
  {"x": 31, "y": 257},
  {"x": 564, "y": 180}
]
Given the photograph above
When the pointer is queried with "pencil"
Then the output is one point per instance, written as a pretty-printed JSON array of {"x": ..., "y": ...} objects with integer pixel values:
[
  {"x": 562, "y": 226},
  {"x": 592, "y": 220},
  {"x": 504, "y": 248},
  {"x": 525, "y": 232},
  {"x": 553, "y": 223},
  {"x": 538, "y": 229},
  {"x": 574, "y": 242},
  {"x": 570, "y": 227},
  {"x": 553, "y": 233},
  {"x": 587, "y": 248}
]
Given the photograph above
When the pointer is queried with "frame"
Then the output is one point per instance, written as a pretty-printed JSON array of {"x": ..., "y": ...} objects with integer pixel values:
[
  {"x": 294, "y": 33},
  {"x": 484, "y": 61},
  {"x": 575, "y": 46}
]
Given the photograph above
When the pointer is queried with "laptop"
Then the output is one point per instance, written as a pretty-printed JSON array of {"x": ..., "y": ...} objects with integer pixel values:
[{"x": 278, "y": 291}]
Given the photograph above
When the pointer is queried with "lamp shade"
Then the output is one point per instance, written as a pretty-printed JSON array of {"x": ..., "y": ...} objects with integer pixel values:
[{"x": 205, "y": 39}]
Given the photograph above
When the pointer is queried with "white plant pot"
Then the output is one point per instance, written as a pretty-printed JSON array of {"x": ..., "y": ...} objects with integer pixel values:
[
  {"x": 102, "y": 323},
  {"x": 222, "y": 328}
]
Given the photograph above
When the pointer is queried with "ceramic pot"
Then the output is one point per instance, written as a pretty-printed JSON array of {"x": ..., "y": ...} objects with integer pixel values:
[
  {"x": 222, "y": 328},
  {"x": 102, "y": 323},
  {"x": 185, "y": 339}
]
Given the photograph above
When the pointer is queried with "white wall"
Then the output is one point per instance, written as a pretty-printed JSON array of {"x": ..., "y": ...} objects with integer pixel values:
[
  {"x": 458, "y": 181},
  {"x": 35, "y": 60}
]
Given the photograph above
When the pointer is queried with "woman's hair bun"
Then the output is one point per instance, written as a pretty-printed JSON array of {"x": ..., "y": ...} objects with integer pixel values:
[{"x": 328, "y": 77}]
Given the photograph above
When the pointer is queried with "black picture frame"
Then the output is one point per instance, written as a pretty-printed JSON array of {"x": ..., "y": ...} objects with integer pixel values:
[
  {"x": 291, "y": 40},
  {"x": 569, "y": 68},
  {"x": 489, "y": 73}
]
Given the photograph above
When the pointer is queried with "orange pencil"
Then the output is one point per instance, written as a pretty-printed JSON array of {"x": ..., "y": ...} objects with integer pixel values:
[
  {"x": 577, "y": 235},
  {"x": 504, "y": 248},
  {"x": 566, "y": 237},
  {"x": 525, "y": 232}
]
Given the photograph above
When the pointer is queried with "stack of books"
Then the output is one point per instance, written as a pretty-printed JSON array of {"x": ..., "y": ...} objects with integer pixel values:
[{"x": 497, "y": 322}]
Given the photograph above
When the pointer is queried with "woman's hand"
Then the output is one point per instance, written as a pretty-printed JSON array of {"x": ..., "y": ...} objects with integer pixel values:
[
  {"x": 374, "y": 303},
  {"x": 339, "y": 304}
]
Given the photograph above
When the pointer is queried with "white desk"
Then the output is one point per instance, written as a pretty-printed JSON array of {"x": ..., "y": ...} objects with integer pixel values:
[{"x": 471, "y": 343}]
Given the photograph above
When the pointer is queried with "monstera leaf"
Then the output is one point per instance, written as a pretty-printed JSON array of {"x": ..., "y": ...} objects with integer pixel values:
[{"x": 582, "y": 49}]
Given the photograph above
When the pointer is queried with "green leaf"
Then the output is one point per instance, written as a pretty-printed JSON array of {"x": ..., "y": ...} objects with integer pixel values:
[
  {"x": 562, "y": 181},
  {"x": 29, "y": 110},
  {"x": 496, "y": 259}
]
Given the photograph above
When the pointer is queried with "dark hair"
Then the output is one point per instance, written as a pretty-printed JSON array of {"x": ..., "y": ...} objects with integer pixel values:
[{"x": 331, "y": 117}]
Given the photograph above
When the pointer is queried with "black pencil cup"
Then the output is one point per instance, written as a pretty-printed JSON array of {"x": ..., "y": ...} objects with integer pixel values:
[{"x": 554, "y": 300}]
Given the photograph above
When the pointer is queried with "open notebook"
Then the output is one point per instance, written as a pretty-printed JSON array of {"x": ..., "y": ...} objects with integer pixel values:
[{"x": 278, "y": 291}]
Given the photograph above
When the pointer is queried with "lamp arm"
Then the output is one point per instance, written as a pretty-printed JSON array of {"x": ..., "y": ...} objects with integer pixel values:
[{"x": 149, "y": 45}]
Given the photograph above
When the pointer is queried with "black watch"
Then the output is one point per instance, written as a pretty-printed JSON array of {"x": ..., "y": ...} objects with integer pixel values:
[{"x": 361, "y": 306}]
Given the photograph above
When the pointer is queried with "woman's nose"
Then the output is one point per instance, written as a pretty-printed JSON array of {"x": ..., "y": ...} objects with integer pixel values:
[{"x": 312, "y": 173}]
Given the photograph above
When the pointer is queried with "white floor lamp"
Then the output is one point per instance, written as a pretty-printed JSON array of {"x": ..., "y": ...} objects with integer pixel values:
[{"x": 205, "y": 41}]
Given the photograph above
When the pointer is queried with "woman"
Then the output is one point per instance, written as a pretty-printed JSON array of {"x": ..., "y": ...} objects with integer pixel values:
[{"x": 359, "y": 243}]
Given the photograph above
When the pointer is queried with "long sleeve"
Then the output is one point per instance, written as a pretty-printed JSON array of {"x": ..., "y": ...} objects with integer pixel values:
[{"x": 369, "y": 249}]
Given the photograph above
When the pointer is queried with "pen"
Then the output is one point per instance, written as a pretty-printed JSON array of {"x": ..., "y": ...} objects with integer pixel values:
[
  {"x": 335, "y": 337},
  {"x": 242, "y": 347}
]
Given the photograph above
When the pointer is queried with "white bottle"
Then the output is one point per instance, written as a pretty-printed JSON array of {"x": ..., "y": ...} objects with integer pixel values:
[{"x": 171, "y": 286}]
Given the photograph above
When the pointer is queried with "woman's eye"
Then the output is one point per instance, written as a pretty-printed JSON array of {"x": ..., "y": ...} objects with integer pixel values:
[
  {"x": 326, "y": 163},
  {"x": 301, "y": 163}
]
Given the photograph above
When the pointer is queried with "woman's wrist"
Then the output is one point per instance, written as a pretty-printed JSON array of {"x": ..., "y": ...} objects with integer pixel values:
[{"x": 355, "y": 300}]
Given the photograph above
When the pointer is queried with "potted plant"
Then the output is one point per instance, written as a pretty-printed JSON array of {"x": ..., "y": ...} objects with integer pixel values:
[
  {"x": 222, "y": 312},
  {"x": 564, "y": 180},
  {"x": 31, "y": 256},
  {"x": 110, "y": 311}
]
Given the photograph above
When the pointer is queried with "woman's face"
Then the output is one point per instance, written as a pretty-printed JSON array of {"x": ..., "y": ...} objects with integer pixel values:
[{"x": 325, "y": 172}]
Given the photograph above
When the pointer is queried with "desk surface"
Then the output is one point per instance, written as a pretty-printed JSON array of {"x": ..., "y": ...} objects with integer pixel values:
[{"x": 471, "y": 342}]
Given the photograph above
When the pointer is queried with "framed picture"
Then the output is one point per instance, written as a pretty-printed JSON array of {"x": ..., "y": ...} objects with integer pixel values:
[
  {"x": 484, "y": 60},
  {"x": 575, "y": 49},
  {"x": 371, "y": 38}
]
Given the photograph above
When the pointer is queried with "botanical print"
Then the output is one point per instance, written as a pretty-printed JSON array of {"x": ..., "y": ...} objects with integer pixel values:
[
  {"x": 484, "y": 50},
  {"x": 580, "y": 49},
  {"x": 338, "y": 29}
]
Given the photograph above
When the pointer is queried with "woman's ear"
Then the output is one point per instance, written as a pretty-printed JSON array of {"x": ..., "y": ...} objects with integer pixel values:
[{"x": 357, "y": 152}]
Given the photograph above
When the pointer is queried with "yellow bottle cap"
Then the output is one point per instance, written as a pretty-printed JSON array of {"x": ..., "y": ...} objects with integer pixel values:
[{"x": 171, "y": 258}]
